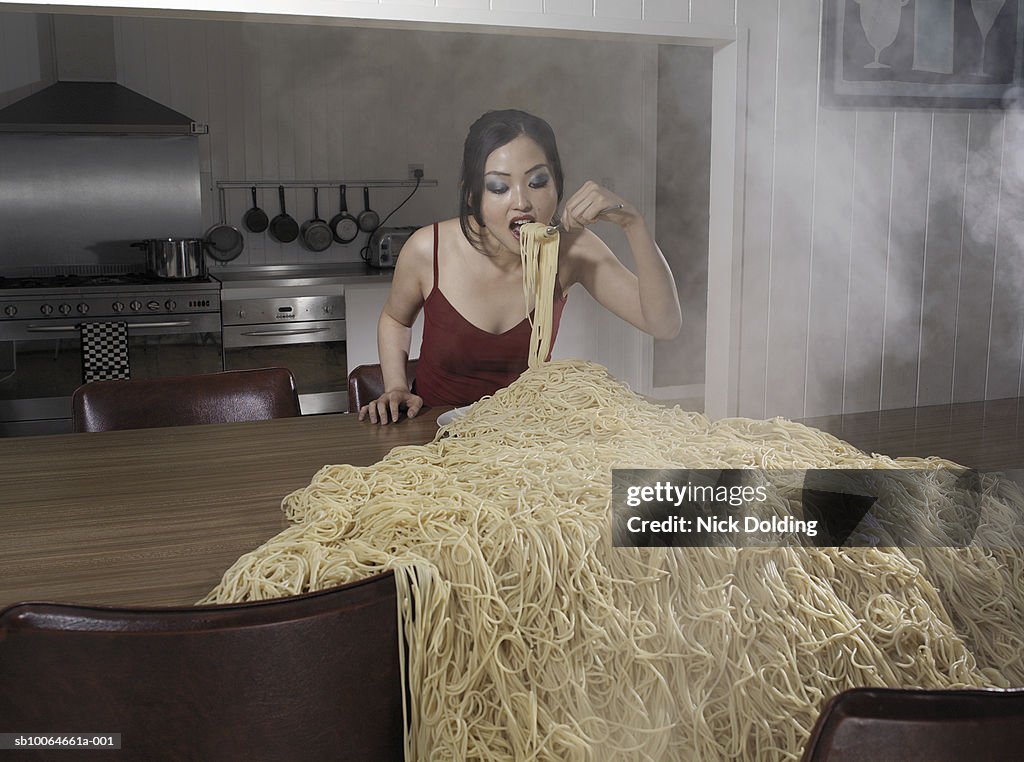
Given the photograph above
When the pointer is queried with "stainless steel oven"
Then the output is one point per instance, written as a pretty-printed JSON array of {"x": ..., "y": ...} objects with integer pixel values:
[
  {"x": 173, "y": 329},
  {"x": 289, "y": 317}
]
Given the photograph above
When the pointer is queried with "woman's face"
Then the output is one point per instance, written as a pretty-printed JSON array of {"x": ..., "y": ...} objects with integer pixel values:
[{"x": 518, "y": 188}]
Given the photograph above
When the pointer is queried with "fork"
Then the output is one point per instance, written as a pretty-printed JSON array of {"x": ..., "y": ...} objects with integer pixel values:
[{"x": 552, "y": 229}]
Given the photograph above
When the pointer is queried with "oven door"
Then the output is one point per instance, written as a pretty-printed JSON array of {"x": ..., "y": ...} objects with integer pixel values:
[
  {"x": 313, "y": 350},
  {"x": 42, "y": 364}
]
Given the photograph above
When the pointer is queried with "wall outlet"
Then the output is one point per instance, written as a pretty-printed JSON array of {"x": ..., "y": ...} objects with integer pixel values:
[{"x": 413, "y": 168}]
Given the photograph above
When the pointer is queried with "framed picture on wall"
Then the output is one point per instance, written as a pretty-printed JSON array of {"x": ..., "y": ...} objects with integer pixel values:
[{"x": 923, "y": 53}]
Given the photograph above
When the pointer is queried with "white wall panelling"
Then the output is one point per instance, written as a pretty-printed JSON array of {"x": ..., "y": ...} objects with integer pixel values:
[
  {"x": 974, "y": 296},
  {"x": 869, "y": 253},
  {"x": 789, "y": 242},
  {"x": 618, "y": 9},
  {"x": 725, "y": 228},
  {"x": 758, "y": 187},
  {"x": 905, "y": 260},
  {"x": 1006, "y": 332},
  {"x": 709, "y": 11},
  {"x": 566, "y": 7},
  {"x": 899, "y": 225},
  {"x": 666, "y": 10},
  {"x": 555, "y": 18},
  {"x": 943, "y": 237}
]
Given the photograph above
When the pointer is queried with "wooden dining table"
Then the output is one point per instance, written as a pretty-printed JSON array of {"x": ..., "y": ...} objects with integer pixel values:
[{"x": 153, "y": 517}]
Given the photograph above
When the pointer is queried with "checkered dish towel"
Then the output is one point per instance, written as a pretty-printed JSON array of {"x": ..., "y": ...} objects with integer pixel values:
[{"x": 104, "y": 351}]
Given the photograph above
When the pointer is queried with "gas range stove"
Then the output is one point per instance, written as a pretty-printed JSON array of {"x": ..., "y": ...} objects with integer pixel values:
[
  {"x": 75, "y": 280},
  {"x": 103, "y": 295}
]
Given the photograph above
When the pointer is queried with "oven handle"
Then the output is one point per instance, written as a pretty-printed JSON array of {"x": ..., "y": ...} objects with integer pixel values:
[
  {"x": 285, "y": 332},
  {"x": 65, "y": 328}
]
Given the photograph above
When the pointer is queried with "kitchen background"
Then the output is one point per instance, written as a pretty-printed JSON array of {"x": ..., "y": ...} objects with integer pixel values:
[
  {"x": 879, "y": 248},
  {"x": 289, "y": 101}
]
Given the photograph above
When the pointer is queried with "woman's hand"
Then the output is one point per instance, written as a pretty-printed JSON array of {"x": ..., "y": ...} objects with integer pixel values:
[
  {"x": 593, "y": 202},
  {"x": 392, "y": 402}
]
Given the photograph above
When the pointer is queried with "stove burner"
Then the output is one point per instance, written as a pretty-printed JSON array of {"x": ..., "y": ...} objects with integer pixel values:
[{"x": 82, "y": 281}]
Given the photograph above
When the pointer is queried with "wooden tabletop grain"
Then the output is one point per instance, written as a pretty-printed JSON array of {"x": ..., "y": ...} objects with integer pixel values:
[{"x": 155, "y": 516}]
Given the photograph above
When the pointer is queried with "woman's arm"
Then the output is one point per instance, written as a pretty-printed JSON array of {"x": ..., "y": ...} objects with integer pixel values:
[
  {"x": 648, "y": 299},
  {"x": 394, "y": 331}
]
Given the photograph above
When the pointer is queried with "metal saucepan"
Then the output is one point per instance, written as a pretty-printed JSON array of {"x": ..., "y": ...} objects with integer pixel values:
[
  {"x": 174, "y": 258},
  {"x": 283, "y": 227},
  {"x": 344, "y": 226},
  {"x": 368, "y": 219},
  {"x": 255, "y": 219},
  {"x": 316, "y": 234}
]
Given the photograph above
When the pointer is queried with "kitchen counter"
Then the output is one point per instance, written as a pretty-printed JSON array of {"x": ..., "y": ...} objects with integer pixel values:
[
  {"x": 155, "y": 516},
  {"x": 344, "y": 273}
]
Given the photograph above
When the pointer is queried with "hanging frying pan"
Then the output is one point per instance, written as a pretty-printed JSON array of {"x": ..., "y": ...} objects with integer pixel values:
[
  {"x": 316, "y": 234},
  {"x": 255, "y": 220},
  {"x": 223, "y": 242},
  {"x": 283, "y": 227},
  {"x": 344, "y": 226},
  {"x": 368, "y": 219}
]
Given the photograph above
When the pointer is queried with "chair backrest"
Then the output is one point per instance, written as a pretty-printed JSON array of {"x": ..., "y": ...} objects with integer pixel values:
[
  {"x": 228, "y": 397},
  {"x": 308, "y": 677},
  {"x": 366, "y": 383},
  {"x": 907, "y": 725}
]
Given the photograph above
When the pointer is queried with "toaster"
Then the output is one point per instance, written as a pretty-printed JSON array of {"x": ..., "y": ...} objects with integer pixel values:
[{"x": 385, "y": 243}]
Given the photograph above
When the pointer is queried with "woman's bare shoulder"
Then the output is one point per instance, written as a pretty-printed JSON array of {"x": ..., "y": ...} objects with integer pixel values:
[{"x": 420, "y": 243}]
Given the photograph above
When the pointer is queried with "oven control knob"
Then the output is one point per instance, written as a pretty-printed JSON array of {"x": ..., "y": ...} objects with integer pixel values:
[
  {"x": 241, "y": 313},
  {"x": 170, "y": 304},
  {"x": 136, "y": 305},
  {"x": 153, "y": 305},
  {"x": 10, "y": 310},
  {"x": 328, "y": 309},
  {"x": 46, "y": 309},
  {"x": 64, "y": 309},
  {"x": 118, "y": 306},
  {"x": 83, "y": 308}
]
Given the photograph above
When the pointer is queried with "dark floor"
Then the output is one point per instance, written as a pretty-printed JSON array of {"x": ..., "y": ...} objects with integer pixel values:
[{"x": 986, "y": 435}]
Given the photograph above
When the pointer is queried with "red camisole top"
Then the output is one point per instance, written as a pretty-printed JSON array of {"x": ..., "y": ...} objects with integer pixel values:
[{"x": 459, "y": 363}]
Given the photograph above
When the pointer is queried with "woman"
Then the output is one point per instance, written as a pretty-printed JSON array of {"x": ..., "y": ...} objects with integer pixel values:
[{"x": 466, "y": 274}]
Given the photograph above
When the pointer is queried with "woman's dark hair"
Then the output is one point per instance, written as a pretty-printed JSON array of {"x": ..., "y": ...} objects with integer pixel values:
[{"x": 491, "y": 131}]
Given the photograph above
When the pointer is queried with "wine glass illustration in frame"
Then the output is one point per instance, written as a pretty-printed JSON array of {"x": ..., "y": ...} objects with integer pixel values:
[
  {"x": 931, "y": 54},
  {"x": 880, "y": 20}
]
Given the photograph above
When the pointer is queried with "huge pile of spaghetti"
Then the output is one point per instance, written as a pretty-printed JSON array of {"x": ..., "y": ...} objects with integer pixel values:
[{"x": 535, "y": 639}]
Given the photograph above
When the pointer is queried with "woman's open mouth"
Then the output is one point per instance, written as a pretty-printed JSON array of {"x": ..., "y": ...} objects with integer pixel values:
[{"x": 516, "y": 225}]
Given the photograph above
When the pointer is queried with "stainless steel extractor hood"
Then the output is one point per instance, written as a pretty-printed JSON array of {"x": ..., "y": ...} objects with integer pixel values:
[
  {"x": 93, "y": 108},
  {"x": 86, "y": 98}
]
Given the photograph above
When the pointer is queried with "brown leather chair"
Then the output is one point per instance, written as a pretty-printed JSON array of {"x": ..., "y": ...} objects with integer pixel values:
[
  {"x": 917, "y": 725},
  {"x": 309, "y": 677},
  {"x": 228, "y": 397},
  {"x": 366, "y": 383}
]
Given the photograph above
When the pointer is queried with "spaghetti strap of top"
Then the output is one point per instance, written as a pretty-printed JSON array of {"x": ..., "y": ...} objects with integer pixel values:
[
  {"x": 434, "y": 288},
  {"x": 459, "y": 362}
]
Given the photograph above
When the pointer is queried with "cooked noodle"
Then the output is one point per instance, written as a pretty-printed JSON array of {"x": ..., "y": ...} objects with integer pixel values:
[
  {"x": 534, "y": 638},
  {"x": 539, "y": 252}
]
